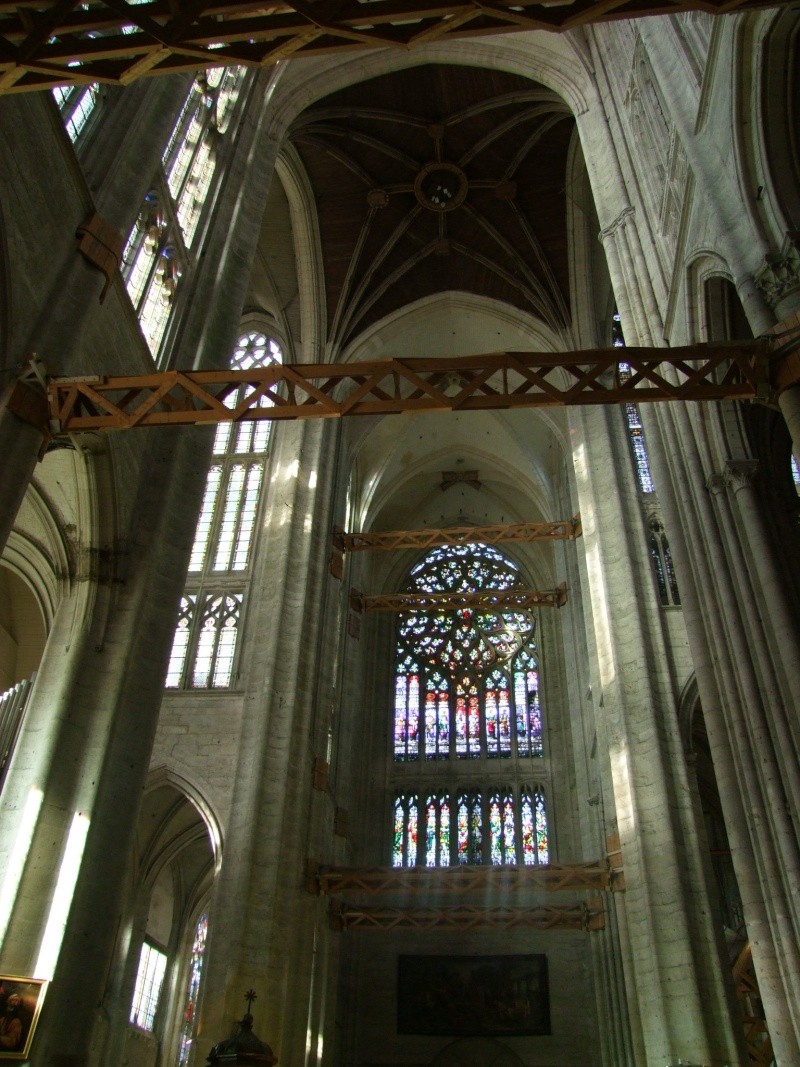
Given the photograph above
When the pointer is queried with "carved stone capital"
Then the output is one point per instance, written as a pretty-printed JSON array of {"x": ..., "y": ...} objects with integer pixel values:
[
  {"x": 779, "y": 274},
  {"x": 715, "y": 484},
  {"x": 612, "y": 228},
  {"x": 740, "y": 473}
]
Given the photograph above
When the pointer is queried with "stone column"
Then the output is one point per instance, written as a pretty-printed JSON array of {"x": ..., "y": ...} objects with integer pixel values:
[
  {"x": 263, "y": 920},
  {"x": 744, "y": 658},
  {"x": 124, "y": 153},
  {"x": 84, "y": 751},
  {"x": 674, "y": 970}
]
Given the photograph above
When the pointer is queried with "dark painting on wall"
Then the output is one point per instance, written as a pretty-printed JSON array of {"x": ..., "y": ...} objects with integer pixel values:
[
  {"x": 20, "y": 1004},
  {"x": 486, "y": 996}
]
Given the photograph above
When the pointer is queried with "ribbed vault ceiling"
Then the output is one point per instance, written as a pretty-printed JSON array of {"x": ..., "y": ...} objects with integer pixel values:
[{"x": 435, "y": 179}]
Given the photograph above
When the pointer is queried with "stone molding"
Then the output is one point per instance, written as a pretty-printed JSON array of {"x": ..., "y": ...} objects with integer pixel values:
[
  {"x": 779, "y": 274},
  {"x": 737, "y": 474},
  {"x": 611, "y": 229}
]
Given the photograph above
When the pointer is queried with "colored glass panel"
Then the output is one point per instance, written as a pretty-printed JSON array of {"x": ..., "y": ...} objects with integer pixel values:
[{"x": 192, "y": 990}]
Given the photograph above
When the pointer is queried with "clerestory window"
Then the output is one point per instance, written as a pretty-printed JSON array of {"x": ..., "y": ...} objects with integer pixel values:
[
  {"x": 161, "y": 247},
  {"x": 209, "y": 622},
  {"x": 467, "y": 707},
  {"x": 77, "y": 104},
  {"x": 633, "y": 419}
]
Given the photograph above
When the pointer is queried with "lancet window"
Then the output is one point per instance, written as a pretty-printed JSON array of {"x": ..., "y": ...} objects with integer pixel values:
[
  {"x": 466, "y": 702},
  {"x": 161, "y": 246},
  {"x": 497, "y": 825},
  {"x": 633, "y": 419},
  {"x": 661, "y": 556},
  {"x": 206, "y": 638},
  {"x": 189, "y": 1012}
]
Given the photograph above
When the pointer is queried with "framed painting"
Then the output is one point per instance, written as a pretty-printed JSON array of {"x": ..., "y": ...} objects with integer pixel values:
[
  {"x": 480, "y": 996},
  {"x": 20, "y": 1004}
]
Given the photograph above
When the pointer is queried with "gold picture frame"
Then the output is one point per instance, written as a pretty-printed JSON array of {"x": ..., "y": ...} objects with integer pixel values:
[{"x": 20, "y": 1004}]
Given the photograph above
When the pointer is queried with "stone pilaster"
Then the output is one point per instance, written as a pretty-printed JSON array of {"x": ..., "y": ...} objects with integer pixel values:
[
  {"x": 674, "y": 970},
  {"x": 263, "y": 922}
]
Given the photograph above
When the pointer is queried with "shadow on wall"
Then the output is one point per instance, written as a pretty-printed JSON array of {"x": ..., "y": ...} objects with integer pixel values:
[
  {"x": 477, "y": 1052},
  {"x": 22, "y": 630}
]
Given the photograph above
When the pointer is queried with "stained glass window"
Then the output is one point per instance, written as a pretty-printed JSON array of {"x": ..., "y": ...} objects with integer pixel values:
[
  {"x": 160, "y": 248},
  {"x": 633, "y": 419},
  {"x": 466, "y": 703},
  {"x": 503, "y": 826},
  {"x": 466, "y": 683},
  {"x": 406, "y": 816},
  {"x": 796, "y": 472},
  {"x": 189, "y": 1013}
]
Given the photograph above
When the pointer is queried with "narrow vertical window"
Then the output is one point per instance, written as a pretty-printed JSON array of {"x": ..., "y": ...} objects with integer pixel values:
[
  {"x": 437, "y": 718},
  {"x": 189, "y": 1013},
  {"x": 632, "y": 417},
  {"x": 437, "y": 831},
  {"x": 406, "y": 816},
  {"x": 470, "y": 828},
  {"x": 528, "y": 712},
  {"x": 497, "y": 715},
  {"x": 502, "y": 829},
  {"x": 149, "y": 979},
  {"x": 533, "y": 822}
]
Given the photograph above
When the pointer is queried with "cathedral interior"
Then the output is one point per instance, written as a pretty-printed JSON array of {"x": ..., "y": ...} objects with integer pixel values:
[{"x": 399, "y": 589}]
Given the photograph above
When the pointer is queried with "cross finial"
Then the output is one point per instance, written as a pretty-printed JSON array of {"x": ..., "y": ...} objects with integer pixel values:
[{"x": 250, "y": 996}]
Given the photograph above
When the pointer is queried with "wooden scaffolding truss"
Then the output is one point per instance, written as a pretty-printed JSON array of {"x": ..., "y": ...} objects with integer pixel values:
[
  {"x": 585, "y": 916},
  {"x": 561, "y": 530},
  {"x": 484, "y": 600},
  {"x": 553, "y": 878},
  {"x": 496, "y": 381},
  {"x": 44, "y": 43}
]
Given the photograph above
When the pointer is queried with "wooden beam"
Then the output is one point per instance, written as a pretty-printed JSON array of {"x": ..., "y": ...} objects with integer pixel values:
[
  {"x": 45, "y": 43},
  {"x": 553, "y": 878},
  {"x": 564, "y": 917},
  {"x": 486, "y": 601},
  {"x": 496, "y": 381},
  {"x": 561, "y": 530}
]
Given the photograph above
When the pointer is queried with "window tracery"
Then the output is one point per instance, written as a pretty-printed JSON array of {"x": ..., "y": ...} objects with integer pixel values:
[
  {"x": 466, "y": 692},
  {"x": 498, "y": 825},
  {"x": 206, "y": 637},
  {"x": 160, "y": 248},
  {"x": 466, "y": 683}
]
